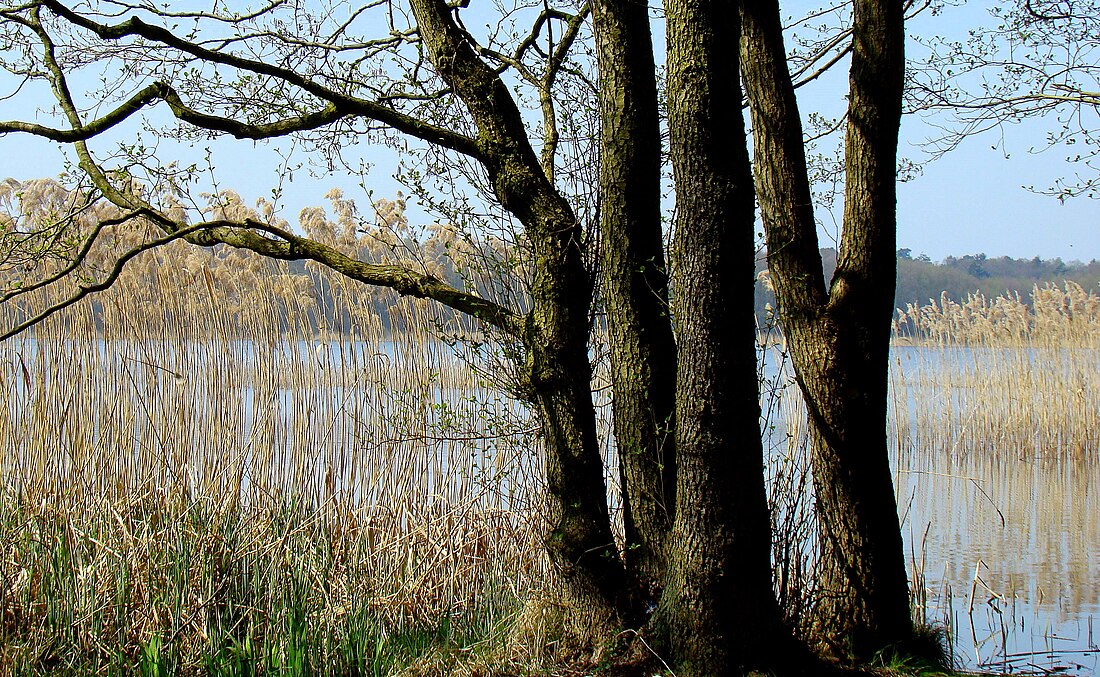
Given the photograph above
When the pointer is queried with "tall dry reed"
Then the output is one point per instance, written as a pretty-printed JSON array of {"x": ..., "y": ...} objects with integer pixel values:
[
  {"x": 1001, "y": 375},
  {"x": 225, "y": 461}
]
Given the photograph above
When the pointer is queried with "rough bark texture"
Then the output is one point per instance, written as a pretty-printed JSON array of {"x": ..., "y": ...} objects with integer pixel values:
[
  {"x": 718, "y": 613},
  {"x": 558, "y": 369},
  {"x": 840, "y": 339},
  {"x": 643, "y": 350}
]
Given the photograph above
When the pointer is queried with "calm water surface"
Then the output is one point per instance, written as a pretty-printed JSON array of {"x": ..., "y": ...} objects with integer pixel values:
[
  {"x": 1008, "y": 551},
  {"x": 1004, "y": 548}
]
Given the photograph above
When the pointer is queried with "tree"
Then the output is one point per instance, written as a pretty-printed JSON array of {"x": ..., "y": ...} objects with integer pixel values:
[
  {"x": 686, "y": 410},
  {"x": 635, "y": 280},
  {"x": 719, "y": 560},
  {"x": 698, "y": 532},
  {"x": 1036, "y": 59},
  {"x": 840, "y": 336}
]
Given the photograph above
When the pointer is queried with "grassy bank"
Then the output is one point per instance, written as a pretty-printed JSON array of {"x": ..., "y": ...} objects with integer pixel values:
[
  {"x": 195, "y": 483},
  {"x": 159, "y": 586}
]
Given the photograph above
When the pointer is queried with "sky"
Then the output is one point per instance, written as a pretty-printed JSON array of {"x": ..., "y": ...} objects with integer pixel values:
[
  {"x": 971, "y": 200},
  {"x": 974, "y": 199}
]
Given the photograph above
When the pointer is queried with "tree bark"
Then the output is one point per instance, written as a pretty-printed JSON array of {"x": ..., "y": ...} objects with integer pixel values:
[
  {"x": 863, "y": 554},
  {"x": 643, "y": 350},
  {"x": 840, "y": 339},
  {"x": 718, "y": 613},
  {"x": 558, "y": 370}
]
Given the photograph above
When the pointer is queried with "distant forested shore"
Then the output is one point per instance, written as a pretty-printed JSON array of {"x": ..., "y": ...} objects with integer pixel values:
[{"x": 921, "y": 280}]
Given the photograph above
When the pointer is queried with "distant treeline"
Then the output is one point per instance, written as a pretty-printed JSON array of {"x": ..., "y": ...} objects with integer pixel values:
[
  {"x": 921, "y": 280},
  {"x": 491, "y": 264}
]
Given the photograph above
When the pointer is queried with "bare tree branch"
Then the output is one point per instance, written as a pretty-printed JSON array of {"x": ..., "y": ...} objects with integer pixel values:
[
  {"x": 162, "y": 91},
  {"x": 243, "y": 235},
  {"x": 75, "y": 262},
  {"x": 346, "y": 104},
  {"x": 86, "y": 289},
  {"x": 1035, "y": 59}
]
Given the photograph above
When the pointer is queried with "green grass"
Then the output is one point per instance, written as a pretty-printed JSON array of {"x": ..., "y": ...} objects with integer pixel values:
[{"x": 170, "y": 588}]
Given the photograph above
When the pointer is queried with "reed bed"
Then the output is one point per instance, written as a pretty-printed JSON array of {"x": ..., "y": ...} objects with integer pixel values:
[
  {"x": 1001, "y": 375},
  {"x": 226, "y": 465},
  {"x": 1067, "y": 315}
]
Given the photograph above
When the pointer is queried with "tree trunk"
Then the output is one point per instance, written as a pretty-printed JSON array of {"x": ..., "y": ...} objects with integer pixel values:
[
  {"x": 840, "y": 340},
  {"x": 862, "y": 554},
  {"x": 718, "y": 613},
  {"x": 643, "y": 350},
  {"x": 558, "y": 370}
]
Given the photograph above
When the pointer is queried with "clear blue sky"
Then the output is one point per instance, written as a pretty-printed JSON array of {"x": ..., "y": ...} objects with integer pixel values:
[
  {"x": 973, "y": 199},
  {"x": 970, "y": 201}
]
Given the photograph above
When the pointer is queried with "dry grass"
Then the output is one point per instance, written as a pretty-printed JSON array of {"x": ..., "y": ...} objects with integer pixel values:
[
  {"x": 193, "y": 586},
  {"x": 204, "y": 472}
]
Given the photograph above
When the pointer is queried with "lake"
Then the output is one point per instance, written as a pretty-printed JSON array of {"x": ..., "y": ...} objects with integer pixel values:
[
  {"x": 1006, "y": 552},
  {"x": 995, "y": 455}
]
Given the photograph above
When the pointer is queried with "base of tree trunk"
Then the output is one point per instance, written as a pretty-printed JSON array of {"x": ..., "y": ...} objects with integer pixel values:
[{"x": 567, "y": 627}]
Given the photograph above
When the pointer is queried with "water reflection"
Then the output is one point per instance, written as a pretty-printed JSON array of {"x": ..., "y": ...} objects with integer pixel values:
[{"x": 1008, "y": 551}]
